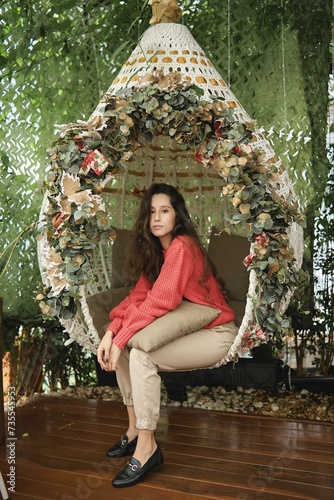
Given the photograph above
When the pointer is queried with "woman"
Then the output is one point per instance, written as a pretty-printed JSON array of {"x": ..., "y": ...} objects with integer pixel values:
[{"x": 168, "y": 264}]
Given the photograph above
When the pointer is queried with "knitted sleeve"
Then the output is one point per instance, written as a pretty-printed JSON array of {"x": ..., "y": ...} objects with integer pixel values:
[
  {"x": 166, "y": 293},
  {"x": 137, "y": 295}
]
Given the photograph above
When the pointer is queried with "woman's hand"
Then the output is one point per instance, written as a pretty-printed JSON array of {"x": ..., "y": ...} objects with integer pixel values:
[
  {"x": 103, "y": 351},
  {"x": 108, "y": 353},
  {"x": 115, "y": 353}
]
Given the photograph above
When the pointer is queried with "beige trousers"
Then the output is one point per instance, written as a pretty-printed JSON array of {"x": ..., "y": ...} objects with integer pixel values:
[{"x": 137, "y": 373}]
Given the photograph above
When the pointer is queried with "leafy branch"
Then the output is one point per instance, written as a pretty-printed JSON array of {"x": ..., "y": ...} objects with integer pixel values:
[{"x": 7, "y": 253}]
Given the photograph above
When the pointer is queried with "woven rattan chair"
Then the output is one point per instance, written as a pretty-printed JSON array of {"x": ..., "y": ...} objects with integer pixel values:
[{"x": 169, "y": 48}]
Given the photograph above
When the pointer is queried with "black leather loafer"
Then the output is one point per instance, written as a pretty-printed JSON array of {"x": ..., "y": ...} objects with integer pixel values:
[
  {"x": 123, "y": 447},
  {"x": 133, "y": 473}
]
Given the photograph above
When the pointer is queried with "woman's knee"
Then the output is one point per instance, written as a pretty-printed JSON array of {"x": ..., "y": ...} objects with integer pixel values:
[
  {"x": 140, "y": 359},
  {"x": 135, "y": 355}
]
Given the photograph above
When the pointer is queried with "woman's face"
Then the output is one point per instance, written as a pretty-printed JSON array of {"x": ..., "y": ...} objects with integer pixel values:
[{"x": 162, "y": 219}]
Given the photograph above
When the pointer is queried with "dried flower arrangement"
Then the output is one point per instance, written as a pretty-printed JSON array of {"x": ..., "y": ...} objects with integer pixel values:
[{"x": 86, "y": 153}]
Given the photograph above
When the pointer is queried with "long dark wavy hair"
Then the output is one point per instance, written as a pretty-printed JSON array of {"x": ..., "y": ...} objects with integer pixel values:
[{"x": 145, "y": 251}]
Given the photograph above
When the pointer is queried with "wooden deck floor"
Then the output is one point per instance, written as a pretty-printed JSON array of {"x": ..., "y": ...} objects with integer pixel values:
[{"x": 61, "y": 444}]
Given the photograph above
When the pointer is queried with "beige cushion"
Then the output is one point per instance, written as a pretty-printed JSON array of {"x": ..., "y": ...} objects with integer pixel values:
[
  {"x": 227, "y": 252},
  {"x": 102, "y": 303},
  {"x": 118, "y": 274},
  {"x": 186, "y": 318}
]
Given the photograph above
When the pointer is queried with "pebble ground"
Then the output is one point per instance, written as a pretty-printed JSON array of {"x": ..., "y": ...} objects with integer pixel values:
[{"x": 290, "y": 404}]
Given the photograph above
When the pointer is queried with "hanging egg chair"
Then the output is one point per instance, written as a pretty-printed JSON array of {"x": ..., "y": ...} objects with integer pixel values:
[{"x": 168, "y": 117}]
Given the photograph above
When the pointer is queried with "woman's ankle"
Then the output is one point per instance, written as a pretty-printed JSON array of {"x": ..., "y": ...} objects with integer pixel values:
[
  {"x": 132, "y": 433},
  {"x": 146, "y": 446},
  {"x": 146, "y": 440}
]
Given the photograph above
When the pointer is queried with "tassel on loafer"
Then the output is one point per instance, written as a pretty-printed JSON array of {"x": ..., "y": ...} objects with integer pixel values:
[
  {"x": 123, "y": 447},
  {"x": 134, "y": 472}
]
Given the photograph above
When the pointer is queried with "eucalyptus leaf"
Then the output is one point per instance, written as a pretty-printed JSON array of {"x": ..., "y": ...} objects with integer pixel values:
[
  {"x": 70, "y": 269},
  {"x": 199, "y": 91},
  {"x": 66, "y": 314}
]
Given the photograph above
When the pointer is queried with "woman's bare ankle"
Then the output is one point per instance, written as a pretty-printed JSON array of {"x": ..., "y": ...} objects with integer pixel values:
[
  {"x": 146, "y": 446},
  {"x": 132, "y": 433}
]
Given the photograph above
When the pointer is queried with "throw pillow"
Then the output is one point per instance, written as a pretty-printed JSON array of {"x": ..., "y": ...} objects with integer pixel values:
[{"x": 186, "y": 318}]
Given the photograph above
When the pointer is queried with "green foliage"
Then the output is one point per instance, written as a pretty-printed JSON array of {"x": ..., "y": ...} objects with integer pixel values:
[
  {"x": 260, "y": 58},
  {"x": 19, "y": 205},
  {"x": 311, "y": 21},
  {"x": 67, "y": 365},
  {"x": 7, "y": 253},
  {"x": 56, "y": 60},
  {"x": 61, "y": 56},
  {"x": 323, "y": 332},
  {"x": 58, "y": 57}
]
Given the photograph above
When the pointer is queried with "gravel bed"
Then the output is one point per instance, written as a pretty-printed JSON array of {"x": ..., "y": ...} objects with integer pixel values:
[{"x": 294, "y": 404}]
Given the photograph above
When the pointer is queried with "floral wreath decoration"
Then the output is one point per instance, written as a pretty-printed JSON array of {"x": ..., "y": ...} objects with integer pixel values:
[{"x": 87, "y": 154}]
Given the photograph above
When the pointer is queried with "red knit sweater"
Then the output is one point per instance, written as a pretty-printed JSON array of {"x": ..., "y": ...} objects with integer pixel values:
[{"x": 179, "y": 278}]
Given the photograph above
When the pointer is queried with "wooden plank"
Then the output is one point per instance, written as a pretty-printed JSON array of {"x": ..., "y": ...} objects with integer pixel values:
[
  {"x": 235, "y": 445},
  {"x": 178, "y": 465},
  {"x": 264, "y": 426},
  {"x": 93, "y": 481},
  {"x": 269, "y": 425},
  {"x": 325, "y": 455},
  {"x": 207, "y": 454},
  {"x": 68, "y": 436},
  {"x": 202, "y": 437}
]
